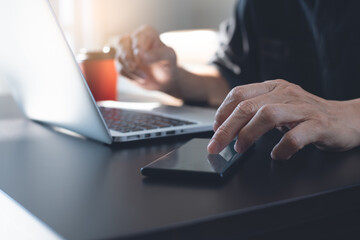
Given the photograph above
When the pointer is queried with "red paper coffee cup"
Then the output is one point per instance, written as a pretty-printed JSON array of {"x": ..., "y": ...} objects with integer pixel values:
[{"x": 99, "y": 70}]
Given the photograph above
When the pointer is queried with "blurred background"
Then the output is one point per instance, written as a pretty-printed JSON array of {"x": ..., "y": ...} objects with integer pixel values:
[{"x": 91, "y": 24}]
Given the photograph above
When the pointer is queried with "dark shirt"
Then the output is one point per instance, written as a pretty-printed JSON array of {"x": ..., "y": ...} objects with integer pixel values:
[{"x": 312, "y": 43}]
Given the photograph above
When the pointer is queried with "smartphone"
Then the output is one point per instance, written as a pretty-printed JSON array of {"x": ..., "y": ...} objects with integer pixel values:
[{"x": 192, "y": 160}]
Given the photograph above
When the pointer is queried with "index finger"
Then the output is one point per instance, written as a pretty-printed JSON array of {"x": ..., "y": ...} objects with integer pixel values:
[
  {"x": 145, "y": 38},
  {"x": 125, "y": 54},
  {"x": 241, "y": 115},
  {"x": 239, "y": 94}
]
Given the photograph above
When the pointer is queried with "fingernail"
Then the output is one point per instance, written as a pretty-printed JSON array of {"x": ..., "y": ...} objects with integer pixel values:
[
  {"x": 213, "y": 147},
  {"x": 278, "y": 158},
  {"x": 238, "y": 147}
]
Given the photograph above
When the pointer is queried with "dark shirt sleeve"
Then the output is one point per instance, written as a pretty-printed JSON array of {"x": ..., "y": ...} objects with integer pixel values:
[
  {"x": 235, "y": 57},
  {"x": 315, "y": 46}
]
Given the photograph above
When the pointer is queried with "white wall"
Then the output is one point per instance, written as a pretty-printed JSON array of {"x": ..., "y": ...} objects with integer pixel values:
[
  {"x": 91, "y": 23},
  {"x": 119, "y": 16},
  {"x": 96, "y": 21}
]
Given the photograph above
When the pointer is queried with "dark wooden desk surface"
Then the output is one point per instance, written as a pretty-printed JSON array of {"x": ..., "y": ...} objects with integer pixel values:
[{"x": 83, "y": 189}]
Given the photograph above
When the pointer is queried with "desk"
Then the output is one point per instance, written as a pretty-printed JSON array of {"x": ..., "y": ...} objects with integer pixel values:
[{"x": 83, "y": 189}]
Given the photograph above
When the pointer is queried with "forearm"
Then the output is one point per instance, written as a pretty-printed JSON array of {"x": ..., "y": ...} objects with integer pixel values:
[{"x": 203, "y": 85}]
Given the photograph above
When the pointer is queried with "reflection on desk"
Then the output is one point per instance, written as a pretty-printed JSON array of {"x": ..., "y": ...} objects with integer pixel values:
[{"x": 17, "y": 223}]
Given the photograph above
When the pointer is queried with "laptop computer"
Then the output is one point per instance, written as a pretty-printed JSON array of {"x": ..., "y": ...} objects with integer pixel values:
[{"x": 48, "y": 85}]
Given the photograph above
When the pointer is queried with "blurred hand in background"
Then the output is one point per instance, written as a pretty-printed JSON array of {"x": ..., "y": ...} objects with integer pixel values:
[{"x": 144, "y": 58}]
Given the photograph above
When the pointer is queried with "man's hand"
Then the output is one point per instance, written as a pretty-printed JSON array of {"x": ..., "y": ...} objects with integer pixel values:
[
  {"x": 251, "y": 110},
  {"x": 146, "y": 60}
]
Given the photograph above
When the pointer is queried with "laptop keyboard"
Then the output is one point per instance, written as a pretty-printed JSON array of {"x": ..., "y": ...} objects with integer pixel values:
[{"x": 131, "y": 121}]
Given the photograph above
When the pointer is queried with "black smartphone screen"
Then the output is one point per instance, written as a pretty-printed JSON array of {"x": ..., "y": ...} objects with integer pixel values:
[{"x": 192, "y": 160}]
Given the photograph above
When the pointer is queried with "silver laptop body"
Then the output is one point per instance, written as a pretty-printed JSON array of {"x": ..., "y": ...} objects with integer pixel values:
[{"x": 48, "y": 85}]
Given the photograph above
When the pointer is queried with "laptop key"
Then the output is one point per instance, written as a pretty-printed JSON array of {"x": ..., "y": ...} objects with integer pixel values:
[{"x": 130, "y": 121}]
